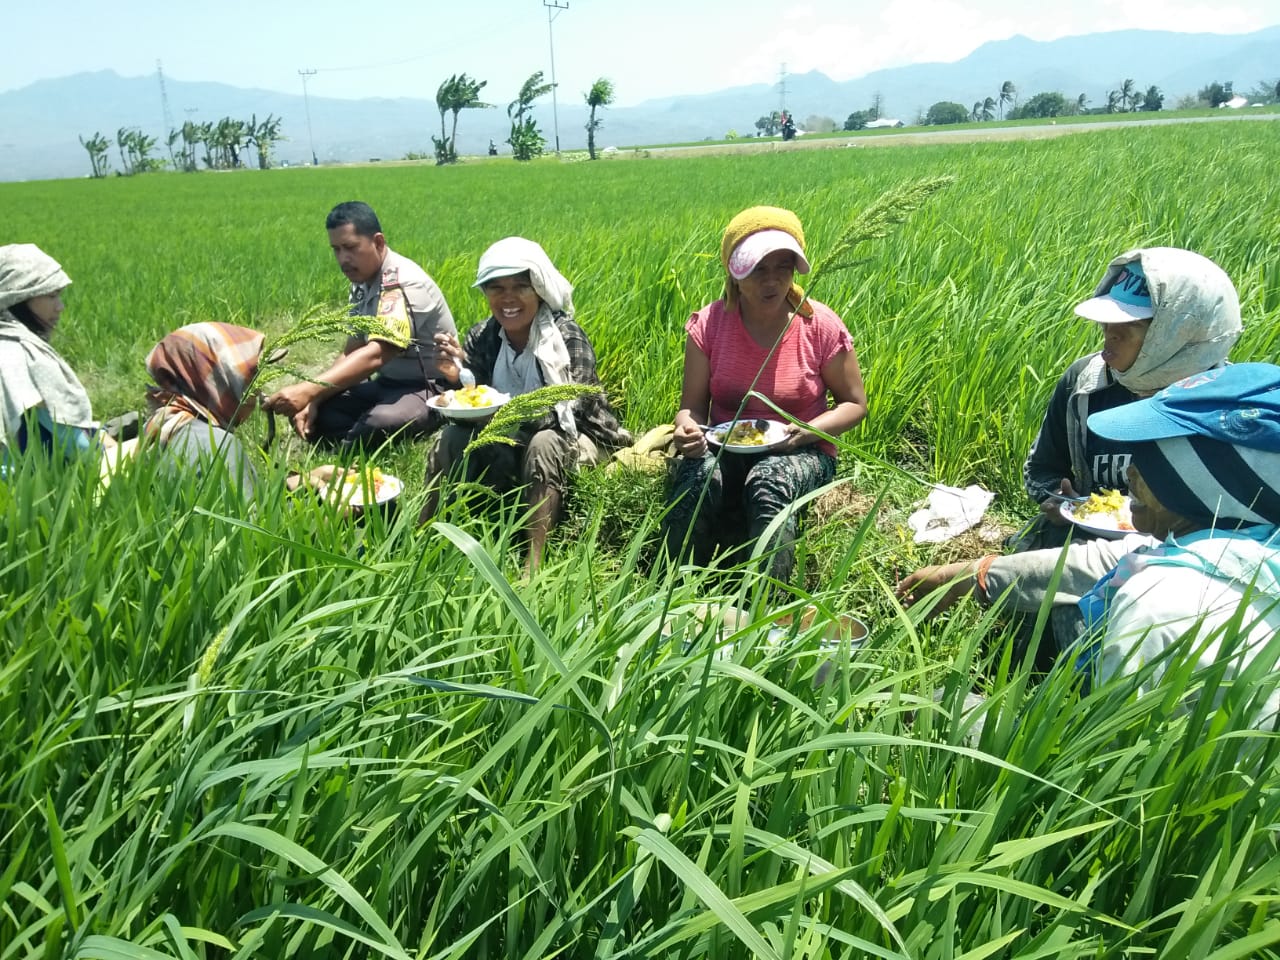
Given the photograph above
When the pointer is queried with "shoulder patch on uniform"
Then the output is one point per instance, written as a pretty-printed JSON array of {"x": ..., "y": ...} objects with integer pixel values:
[
  {"x": 391, "y": 276},
  {"x": 394, "y": 314}
]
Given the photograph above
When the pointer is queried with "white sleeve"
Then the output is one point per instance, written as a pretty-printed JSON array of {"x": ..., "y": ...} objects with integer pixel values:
[{"x": 1148, "y": 615}]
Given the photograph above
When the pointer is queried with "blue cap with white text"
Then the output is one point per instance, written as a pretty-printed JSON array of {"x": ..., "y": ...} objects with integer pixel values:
[{"x": 1128, "y": 298}]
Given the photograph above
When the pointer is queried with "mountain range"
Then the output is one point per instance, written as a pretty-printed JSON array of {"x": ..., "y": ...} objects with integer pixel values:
[{"x": 40, "y": 123}]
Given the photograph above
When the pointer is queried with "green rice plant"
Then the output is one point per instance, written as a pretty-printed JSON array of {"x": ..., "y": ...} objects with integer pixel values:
[
  {"x": 270, "y": 729},
  {"x": 525, "y": 408}
]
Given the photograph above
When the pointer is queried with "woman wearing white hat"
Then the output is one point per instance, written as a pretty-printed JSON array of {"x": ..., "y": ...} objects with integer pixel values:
[
  {"x": 530, "y": 340},
  {"x": 42, "y": 402},
  {"x": 1164, "y": 313}
]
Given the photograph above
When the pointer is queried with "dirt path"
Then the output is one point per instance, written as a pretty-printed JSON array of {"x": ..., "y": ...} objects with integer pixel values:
[{"x": 918, "y": 137}]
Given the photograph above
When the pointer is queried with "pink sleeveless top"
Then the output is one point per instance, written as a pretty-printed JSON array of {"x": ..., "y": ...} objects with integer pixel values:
[{"x": 793, "y": 376}]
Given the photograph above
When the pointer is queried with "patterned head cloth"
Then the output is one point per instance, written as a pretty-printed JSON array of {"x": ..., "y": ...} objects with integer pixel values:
[
  {"x": 757, "y": 220},
  {"x": 514, "y": 255},
  {"x": 201, "y": 371}
]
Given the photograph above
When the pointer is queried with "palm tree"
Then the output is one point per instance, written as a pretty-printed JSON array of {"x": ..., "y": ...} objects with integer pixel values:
[
  {"x": 97, "y": 147},
  {"x": 600, "y": 95},
  {"x": 123, "y": 138},
  {"x": 526, "y": 142},
  {"x": 460, "y": 92},
  {"x": 174, "y": 136},
  {"x": 976, "y": 113},
  {"x": 1128, "y": 95},
  {"x": 190, "y": 137},
  {"x": 205, "y": 136},
  {"x": 1113, "y": 100},
  {"x": 1008, "y": 94},
  {"x": 265, "y": 135},
  {"x": 230, "y": 137},
  {"x": 1081, "y": 102},
  {"x": 139, "y": 147},
  {"x": 533, "y": 89},
  {"x": 988, "y": 109}
]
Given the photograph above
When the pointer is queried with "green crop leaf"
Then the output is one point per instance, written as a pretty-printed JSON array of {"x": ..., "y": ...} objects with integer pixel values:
[{"x": 525, "y": 408}]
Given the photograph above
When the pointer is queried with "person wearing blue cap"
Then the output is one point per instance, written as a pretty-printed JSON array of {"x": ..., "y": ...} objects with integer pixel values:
[
  {"x": 1204, "y": 478},
  {"x": 1165, "y": 313}
]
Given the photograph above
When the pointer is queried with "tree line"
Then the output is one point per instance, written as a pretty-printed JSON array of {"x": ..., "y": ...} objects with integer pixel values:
[
  {"x": 1127, "y": 97},
  {"x": 222, "y": 144},
  {"x": 1004, "y": 104},
  {"x": 462, "y": 92}
]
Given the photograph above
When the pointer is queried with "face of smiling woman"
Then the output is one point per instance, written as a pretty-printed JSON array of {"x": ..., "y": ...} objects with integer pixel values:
[{"x": 514, "y": 303}]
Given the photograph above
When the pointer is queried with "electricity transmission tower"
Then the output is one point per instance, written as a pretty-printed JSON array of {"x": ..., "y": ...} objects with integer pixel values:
[{"x": 164, "y": 99}]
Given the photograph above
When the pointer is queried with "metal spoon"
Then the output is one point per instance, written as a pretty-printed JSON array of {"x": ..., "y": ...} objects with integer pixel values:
[
  {"x": 466, "y": 378},
  {"x": 1066, "y": 499}
]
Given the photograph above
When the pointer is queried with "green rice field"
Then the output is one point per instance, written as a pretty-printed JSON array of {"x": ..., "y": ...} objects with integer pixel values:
[{"x": 280, "y": 732}]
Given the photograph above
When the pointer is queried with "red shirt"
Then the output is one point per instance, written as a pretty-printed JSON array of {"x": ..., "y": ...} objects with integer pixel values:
[{"x": 792, "y": 377}]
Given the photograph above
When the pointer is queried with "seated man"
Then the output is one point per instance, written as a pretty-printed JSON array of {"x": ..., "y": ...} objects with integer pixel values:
[
  {"x": 1205, "y": 479},
  {"x": 351, "y": 405},
  {"x": 1164, "y": 314}
]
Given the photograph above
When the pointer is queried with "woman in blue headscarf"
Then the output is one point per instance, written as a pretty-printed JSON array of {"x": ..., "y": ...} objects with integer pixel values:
[{"x": 1204, "y": 480}]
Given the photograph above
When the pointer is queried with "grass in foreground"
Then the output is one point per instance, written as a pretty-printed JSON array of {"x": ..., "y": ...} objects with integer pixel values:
[
  {"x": 203, "y": 757},
  {"x": 274, "y": 732}
]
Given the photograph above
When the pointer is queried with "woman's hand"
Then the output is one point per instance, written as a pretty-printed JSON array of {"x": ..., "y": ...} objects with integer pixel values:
[
  {"x": 690, "y": 439},
  {"x": 449, "y": 356},
  {"x": 1051, "y": 507},
  {"x": 797, "y": 437},
  {"x": 695, "y": 401}
]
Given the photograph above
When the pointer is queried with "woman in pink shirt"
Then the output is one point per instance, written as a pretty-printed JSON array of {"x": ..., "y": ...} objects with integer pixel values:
[{"x": 762, "y": 336}]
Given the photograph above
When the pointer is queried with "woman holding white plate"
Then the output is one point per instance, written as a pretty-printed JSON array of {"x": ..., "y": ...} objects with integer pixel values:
[
  {"x": 530, "y": 340},
  {"x": 764, "y": 336}
]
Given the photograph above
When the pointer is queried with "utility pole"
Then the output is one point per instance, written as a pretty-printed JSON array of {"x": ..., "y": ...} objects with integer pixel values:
[
  {"x": 782, "y": 87},
  {"x": 554, "y": 9},
  {"x": 305, "y": 74}
]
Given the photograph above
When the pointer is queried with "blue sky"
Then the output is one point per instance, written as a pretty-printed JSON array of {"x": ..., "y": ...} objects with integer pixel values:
[{"x": 649, "y": 49}]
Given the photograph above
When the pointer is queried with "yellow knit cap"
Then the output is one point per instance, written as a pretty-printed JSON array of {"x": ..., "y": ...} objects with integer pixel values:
[{"x": 753, "y": 220}]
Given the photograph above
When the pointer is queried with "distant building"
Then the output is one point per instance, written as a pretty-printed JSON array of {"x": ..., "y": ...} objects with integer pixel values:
[
  {"x": 1235, "y": 103},
  {"x": 884, "y": 122}
]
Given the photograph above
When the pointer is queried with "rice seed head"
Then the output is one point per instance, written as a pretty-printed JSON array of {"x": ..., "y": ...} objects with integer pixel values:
[{"x": 521, "y": 409}]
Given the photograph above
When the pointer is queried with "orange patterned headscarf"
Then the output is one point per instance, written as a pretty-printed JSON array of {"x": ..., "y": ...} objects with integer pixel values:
[
  {"x": 753, "y": 220},
  {"x": 201, "y": 371}
]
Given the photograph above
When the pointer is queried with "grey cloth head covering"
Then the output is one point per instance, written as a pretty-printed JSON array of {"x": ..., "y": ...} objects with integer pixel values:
[
  {"x": 26, "y": 272},
  {"x": 31, "y": 372},
  {"x": 513, "y": 255},
  {"x": 1197, "y": 316}
]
